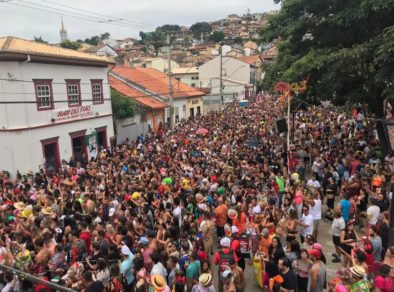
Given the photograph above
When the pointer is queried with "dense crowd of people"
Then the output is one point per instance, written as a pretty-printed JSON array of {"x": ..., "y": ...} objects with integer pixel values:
[{"x": 176, "y": 209}]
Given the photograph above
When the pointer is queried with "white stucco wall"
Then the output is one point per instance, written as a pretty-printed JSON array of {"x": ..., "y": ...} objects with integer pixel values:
[
  {"x": 231, "y": 88},
  {"x": 232, "y": 69},
  {"x": 161, "y": 64},
  {"x": 187, "y": 79},
  {"x": 26, "y": 115},
  {"x": 179, "y": 103}
]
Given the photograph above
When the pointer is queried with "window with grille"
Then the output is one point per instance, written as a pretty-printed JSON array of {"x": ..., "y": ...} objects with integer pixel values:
[
  {"x": 73, "y": 93},
  {"x": 97, "y": 91},
  {"x": 44, "y": 95}
]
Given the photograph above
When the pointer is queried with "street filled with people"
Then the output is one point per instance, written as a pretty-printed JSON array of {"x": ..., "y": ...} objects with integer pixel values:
[{"x": 191, "y": 209}]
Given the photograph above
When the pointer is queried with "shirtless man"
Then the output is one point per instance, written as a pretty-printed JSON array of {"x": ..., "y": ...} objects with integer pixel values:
[
  {"x": 239, "y": 276},
  {"x": 317, "y": 274}
]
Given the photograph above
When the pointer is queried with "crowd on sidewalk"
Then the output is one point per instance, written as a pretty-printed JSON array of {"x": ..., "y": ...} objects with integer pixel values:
[{"x": 221, "y": 191}]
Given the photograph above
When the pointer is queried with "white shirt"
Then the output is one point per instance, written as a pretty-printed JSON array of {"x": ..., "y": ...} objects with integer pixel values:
[
  {"x": 308, "y": 220},
  {"x": 374, "y": 212},
  {"x": 338, "y": 224},
  {"x": 158, "y": 269},
  {"x": 177, "y": 212},
  {"x": 313, "y": 183},
  {"x": 256, "y": 209},
  {"x": 315, "y": 210}
]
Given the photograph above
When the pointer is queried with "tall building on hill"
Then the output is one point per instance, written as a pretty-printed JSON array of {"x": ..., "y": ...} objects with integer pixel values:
[{"x": 63, "y": 33}]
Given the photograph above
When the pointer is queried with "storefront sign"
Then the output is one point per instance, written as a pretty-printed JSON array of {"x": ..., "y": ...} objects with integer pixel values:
[
  {"x": 75, "y": 113},
  {"x": 195, "y": 101}
]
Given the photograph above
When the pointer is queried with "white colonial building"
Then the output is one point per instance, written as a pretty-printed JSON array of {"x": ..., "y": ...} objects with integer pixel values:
[
  {"x": 238, "y": 75},
  {"x": 54, "y": 104}
]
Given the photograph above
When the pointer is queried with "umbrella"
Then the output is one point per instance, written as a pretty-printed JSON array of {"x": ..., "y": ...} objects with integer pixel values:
[
  {"x": 167, "y": 181},
  {"x": 202, "y": 131}
]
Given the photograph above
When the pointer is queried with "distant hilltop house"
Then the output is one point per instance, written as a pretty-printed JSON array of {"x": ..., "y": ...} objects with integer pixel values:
[
  {"x": 104, "y": 50},
  {"x": 187, "y": 75},
  {"x": 157, "y": 63}
]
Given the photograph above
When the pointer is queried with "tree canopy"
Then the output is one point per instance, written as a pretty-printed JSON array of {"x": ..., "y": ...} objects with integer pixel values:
[
  {"x": 344, "y": 49},
  {"x": 169, "y": 28},
  {"x": 157, "y": 39},
  {"x": 67, "y": 44},
  {"x": 40, "y": 40},
  {"x": 216, "y": 36},
  {"x": 122, "y": 106},
  {"x": 200, "y": 27}
]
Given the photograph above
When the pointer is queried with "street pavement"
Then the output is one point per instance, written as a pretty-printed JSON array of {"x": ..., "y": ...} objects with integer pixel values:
[{"x": 324, "y": 238}]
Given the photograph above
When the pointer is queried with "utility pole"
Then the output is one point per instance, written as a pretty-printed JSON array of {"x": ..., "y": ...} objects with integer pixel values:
[
  {"x": 221, "y": 73},
  {"x": 170, "y": 84}
]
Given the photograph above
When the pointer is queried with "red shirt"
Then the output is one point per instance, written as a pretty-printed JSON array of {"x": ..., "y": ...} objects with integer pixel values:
[
  {"x": 236, "y": 245},
  {"x": 85, "y": 236}
]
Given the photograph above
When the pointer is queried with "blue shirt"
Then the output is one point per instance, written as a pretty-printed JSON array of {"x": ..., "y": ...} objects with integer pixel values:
[
  {"x": 182, "y": 261},
  {"x": 125, "y": 269},
  {"x": 345, "y": 208},
  {"x": 377, "y": 248}
]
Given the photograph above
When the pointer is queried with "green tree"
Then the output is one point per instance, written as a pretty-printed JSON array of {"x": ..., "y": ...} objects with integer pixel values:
[
  {"x": 67, "y": 44},
  {"x": 238, "y": 40},
  {"x": 344, "y": 48},
  {"x": 40, "y": 40},
  {"x": 143, "y": 37},
  {"x": 216, "y": 36},
  {"x": 104, "y": 36},
  {"x": 169, "y": 28},
  {"x": 200, "y": 27},
  {"x": 94, "y": 40},
  {"x": 157, "y": 39},
  {"x": 122, "y": 106}
]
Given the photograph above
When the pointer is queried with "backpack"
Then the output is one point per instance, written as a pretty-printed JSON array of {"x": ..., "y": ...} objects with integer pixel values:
[{"x": 224, "y": 260}]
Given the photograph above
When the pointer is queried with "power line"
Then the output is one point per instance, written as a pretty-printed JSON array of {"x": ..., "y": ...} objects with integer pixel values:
[
  {"x": 95, "y": 13},
  {"x": 73, "y": 14},
  {"x": 59, "y": 9}
]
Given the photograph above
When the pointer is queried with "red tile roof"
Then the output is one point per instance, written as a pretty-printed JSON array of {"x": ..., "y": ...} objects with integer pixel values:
[
  {"x": 135, "y": 94},
  {"x": 250, "y": 59},
  {"x": 156, "y": 81}
]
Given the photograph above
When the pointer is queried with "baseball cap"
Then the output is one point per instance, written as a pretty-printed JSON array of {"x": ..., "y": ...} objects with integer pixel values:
[
  {"x": 143, "y": 240},
  {"x": 225, "y": 242},
  {"x": 315, "y": 253}
]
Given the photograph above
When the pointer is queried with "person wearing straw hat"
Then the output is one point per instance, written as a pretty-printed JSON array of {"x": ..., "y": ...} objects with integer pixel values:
[
  {"x": 205, "y": 284},
  {"x": 159, "y": 283},
  {"x": 359, "y": 284}
]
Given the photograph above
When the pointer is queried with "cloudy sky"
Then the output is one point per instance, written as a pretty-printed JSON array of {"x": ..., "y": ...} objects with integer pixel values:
[{"x": 43, "y": 16}]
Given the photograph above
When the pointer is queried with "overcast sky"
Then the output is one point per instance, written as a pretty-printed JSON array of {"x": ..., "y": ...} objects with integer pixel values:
[{"x": 26, "y": 22}]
